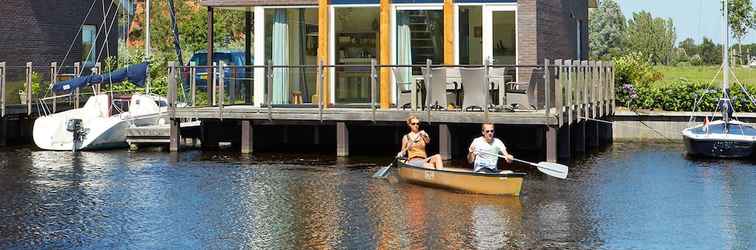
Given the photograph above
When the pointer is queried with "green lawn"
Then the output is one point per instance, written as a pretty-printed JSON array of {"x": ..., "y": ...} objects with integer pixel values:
[{"x": 706, "y": 74}]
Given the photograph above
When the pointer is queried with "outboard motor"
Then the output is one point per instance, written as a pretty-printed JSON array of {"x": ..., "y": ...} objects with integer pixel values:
[{"x": 74, "y": 126}]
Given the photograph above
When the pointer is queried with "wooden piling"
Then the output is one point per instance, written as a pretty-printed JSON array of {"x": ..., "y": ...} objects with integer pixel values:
[
  {"x": 28, "y": 88},
  {"x": 551, "y": 143},
  {"x": 53, "y": 80},
  {"x": 342, "y": 139},
  {"x": 444, "y": 141},
  {"x": 246, "y": 137},
  {"x": 77, "y": 91}
]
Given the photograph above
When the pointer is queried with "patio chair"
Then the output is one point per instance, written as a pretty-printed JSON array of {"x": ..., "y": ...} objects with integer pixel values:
[
  {"x": 498, "y": 78},
  {"x": 474, "y": 86},
  {"x": 403, "y": 89},
  {"x": 454, "y": 81},
  {"x": 520, "y": 95},
  {"x": 436, "y": 89}
]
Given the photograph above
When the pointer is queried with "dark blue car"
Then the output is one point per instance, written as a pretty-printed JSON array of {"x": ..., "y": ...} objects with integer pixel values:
[{"x": 229, "y": 58}]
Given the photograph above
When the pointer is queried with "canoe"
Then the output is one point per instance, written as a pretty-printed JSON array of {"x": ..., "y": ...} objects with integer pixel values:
[{"x": 465, "y": 180}]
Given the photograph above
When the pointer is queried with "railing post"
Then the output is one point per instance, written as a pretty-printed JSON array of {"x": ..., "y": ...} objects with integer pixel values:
[
  {"x": 212, "y": 80},
  {"x": 232, "y": 85},
  {"x": 221, "y": 85},
  {"x": 559, "y": 69},
  {"x": 172, "y": 89},
  {"x": 2, "y": 89},
  {"x": 269, "y": 88},
  {"x": 373, "y": 81},
  {"x": 486, "y": 90},
  {"x": 547, "y": 84},
  {"x": 76, "y": 91},
  {"x": 569, "y": 75},
  {"x": 320, "y": 89},
  {"x": 594, "y": 83},
  {"x": 193, "y": 82},
  {"x": 28, "y": 88},
  {"x": 586, "y": 81},
  {"x": 428, "y": 78},
  {"x": 53, "y": 80},
  {"x": 613, "y": 89},
  {"x": 98, "y": 67}
]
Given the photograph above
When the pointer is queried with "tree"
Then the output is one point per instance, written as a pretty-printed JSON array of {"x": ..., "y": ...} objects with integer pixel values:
[
  {"x": 710, "y": 52},
  {"x": 607, "y": 25},
  {"x": 689, "y": 45},
  {"x": 741, "y": 20},
  {"x": 654, "y": 37}
]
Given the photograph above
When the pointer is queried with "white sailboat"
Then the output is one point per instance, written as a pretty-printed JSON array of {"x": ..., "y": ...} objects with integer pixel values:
[
  {"x": 725, "y": 138},
  {"x": 99, "y": 124}
]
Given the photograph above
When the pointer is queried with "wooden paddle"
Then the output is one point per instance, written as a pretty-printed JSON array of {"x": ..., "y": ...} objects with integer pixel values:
[{"x": 553, "y": 169}]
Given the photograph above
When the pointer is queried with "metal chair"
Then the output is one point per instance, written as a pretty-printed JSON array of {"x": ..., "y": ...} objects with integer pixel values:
[
  {"x": 403, "y": 89},
  {"x": 474, "y": 86},
  {"x": 436, "y": 89}
]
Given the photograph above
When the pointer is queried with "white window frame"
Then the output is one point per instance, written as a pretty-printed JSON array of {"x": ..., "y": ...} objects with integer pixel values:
[
  {"x": 332, "y": 44},
  {"x": 395, "y": 8},
  {"x": 91, "y": 55}
]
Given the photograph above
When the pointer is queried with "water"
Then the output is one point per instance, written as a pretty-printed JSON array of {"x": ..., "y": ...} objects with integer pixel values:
[{"x": 630, "y": 196}]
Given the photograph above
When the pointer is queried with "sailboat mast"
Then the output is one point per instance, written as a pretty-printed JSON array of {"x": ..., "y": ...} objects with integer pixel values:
[
  {"x": 147, "y": 42},
  {"x": 726, "y": 49}
]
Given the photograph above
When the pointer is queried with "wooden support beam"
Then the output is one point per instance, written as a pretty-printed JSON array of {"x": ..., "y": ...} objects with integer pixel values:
[
  {"x": 444, "y": 141},
  {"x": 246, "y": 137},
  {"x": 342, "y": 139},
  {"x": 76, "y": 92},
  {"x": 175, "y": 138},
  {"x": 551, "y": 143},
  {"x": 323, "y": 43},
  {"x": 3, "y": 131},
  {"x": 53, "y": 80},
  {"x": 28, "y": 90},
  {"x": 385, "y": 53},
  {"x": 565, "y": 142},
  {"x": 448, "y": 32},
  {"x": 578, "y": 136}
]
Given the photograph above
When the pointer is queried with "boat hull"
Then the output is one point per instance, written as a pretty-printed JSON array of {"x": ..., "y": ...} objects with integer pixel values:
[
  {"x": 463, "y": 180},
  {"x": 718, "y": 148},
  {"x": 720, "y": 140}
]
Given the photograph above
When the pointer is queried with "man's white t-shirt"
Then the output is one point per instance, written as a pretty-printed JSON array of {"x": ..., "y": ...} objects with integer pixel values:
[{"x": 488, "y": 159}]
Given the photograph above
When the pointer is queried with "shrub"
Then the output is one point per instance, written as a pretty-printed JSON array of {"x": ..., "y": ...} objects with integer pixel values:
[
  {"x": 681, "y": 95},
  {"x": 633, "y": 71}
]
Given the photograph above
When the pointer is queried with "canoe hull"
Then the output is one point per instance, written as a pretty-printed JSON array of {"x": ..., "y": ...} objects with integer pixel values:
[{"x": 463, "y": 180}]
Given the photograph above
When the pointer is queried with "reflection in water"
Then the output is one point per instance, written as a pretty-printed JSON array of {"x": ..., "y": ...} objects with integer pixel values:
[{"x": 625, "y": 197}]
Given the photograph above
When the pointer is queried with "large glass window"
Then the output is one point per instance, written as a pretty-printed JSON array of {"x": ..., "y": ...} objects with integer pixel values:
[
  {"x": 356, "y": 42},
  {"x": 291, "y": 38},
  {"x": 504, "y": 37},
  {"x": 419, "y": 37},
  {"x": 88, "y": 44},
  {"x": 470, "y": 35}
]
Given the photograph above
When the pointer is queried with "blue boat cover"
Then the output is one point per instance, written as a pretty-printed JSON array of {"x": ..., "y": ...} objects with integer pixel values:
[{"x": 135, "y": 74}]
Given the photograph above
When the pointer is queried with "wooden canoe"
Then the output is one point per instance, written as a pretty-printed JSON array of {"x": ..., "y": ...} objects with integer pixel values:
[{"x": 463, "y": 180}]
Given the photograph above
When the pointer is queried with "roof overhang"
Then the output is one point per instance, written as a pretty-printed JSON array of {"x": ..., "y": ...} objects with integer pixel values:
[{"x": 246, "y": 3}]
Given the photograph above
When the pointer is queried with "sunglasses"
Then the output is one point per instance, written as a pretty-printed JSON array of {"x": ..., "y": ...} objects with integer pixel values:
[
  {"x": 415, "y": 123},
  {"x": 488, "y": 131}
]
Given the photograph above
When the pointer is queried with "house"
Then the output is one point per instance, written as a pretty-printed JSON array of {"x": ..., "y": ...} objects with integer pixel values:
[
  {"x": 344, "y": 32},
  {"x": 45, "y": 31}
]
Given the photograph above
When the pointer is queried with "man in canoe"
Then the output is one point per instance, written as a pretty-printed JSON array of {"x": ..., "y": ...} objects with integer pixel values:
[
  {"x": 414, "y": 144},
  {"x": 485, "y": 151}
]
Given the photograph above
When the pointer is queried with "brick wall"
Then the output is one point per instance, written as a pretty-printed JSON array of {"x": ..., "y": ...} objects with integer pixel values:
[
  {"x": 548, "y": 30},
  {"x": 41, "y": 31}
]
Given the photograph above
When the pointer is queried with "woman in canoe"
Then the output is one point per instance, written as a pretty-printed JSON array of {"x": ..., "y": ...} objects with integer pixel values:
[{"x": 414, "y": 144}]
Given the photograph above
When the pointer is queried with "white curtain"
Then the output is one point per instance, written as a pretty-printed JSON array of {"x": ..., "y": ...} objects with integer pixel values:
[
  {"x": 404, "y": 50},
  {"x": 280, "y": 57}
]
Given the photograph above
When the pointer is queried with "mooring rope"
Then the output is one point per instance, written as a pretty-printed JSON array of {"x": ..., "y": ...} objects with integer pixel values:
[{"x": 629, "y": 126}]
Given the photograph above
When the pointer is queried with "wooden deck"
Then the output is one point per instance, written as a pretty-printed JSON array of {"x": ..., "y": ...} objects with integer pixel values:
[{"x": 364, "y": 115}]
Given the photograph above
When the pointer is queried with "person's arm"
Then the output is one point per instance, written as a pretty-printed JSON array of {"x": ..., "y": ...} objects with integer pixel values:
[
  {"x": 404, "y": 146},
  {"x": 471, "y": 153},
  {"x": 504, "y": 152},
  {"x": 424, "y": 136}
]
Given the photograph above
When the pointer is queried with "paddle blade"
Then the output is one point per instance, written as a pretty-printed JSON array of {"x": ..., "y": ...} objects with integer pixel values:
[
  {"x": 381, "y": 172},
  {"x": 553, "y": 169}
]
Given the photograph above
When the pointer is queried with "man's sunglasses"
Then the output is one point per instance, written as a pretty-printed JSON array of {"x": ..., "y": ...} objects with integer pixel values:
[{"x": 488, "y": 131}]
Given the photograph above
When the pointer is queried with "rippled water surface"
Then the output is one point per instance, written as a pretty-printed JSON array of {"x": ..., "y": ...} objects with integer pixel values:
[{"x": 629, "y": 196}]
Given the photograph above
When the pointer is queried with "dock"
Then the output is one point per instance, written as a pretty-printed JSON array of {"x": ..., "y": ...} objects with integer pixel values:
[{"x": 568, "y": 91}]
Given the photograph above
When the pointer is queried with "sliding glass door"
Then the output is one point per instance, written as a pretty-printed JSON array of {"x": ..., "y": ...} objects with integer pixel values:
[
  {"x": 291, "y": 38},
  {"x": 500, "y": 34},
  {"x": 355, "y": 42}
]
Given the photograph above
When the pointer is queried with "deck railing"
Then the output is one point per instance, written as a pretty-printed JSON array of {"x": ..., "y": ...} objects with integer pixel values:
[
  {"x": 562, "y": 88},
  {"x": 44, "y": 100}
]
